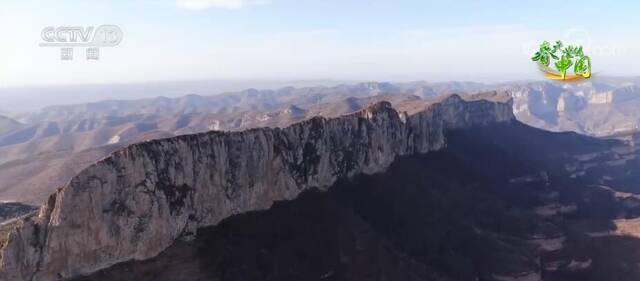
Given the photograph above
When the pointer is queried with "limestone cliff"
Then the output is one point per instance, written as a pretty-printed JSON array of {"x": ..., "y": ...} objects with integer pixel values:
[{"x": 137, "y": 202}]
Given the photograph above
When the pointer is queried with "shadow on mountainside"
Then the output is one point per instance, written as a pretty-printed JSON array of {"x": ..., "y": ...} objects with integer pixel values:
[{"x": 477, "y": 210}]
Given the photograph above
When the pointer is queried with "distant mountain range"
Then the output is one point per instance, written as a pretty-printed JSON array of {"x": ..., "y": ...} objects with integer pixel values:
[
  {"x": 8, "y": 125},
  {"x": 78, "y": 127},
  {"x": 445, "y": 188},
  {"x": 592, "y": 108},
  {"x": 16, "y": 100},
  {"x": 135, "y": 203},
  {"x": 47, "y": 147}
]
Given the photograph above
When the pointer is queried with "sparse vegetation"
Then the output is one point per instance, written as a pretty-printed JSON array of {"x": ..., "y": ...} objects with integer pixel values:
[{"x": 5, "y": 229}]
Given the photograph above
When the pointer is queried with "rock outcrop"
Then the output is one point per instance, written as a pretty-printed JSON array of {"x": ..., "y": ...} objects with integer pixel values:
[{"x": 138, "y": 201}]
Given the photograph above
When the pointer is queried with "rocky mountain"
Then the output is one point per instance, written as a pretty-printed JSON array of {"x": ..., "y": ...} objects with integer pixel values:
[
  {"x": 452, "y": 188},
  {"x": 57, "y": 142},
  {"x": 74, "y": 128},
  {"x": 593, "y": 108},
  {"x": 37, "y": 159},
  {"x": 32, "y": 180},
  {"x": 33, "y": 170},
  {"x": 443, "y": 215},
  {"x": 554, "y": 105},
  {"x": 140, "y": 200}
]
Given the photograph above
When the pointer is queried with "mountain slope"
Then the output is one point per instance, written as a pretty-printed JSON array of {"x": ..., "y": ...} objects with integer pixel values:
[
  {"x": 444, "y": 215},
  {"x": 453, "y": 189},
  {"x": 30, "y": 171},
  {"x": 137, "y": 202},
  {"x": 8, "y": 125},
  {"x": 592, "y": 107},
  {"x": 598, "y": 106}
]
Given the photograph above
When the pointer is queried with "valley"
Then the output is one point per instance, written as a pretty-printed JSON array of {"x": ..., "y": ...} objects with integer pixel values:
[
  {"x": 439, "y": 216},
  {"x": 433, "y": 187}
]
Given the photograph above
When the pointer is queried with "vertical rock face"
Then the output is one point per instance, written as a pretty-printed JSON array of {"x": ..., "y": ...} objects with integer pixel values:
[{"x": 138, "y": 201}]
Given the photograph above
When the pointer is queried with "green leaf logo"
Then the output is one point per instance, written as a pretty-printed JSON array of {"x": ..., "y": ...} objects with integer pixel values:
[{"x": 563, "y": 58}]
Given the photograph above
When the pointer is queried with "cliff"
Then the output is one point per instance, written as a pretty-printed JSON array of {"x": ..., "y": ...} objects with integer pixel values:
[{"x": 137, "y": 202}]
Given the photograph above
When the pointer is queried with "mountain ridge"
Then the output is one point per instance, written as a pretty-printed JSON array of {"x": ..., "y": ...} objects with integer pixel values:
[
  {"x": 138, "y": 201},
  {"x": 47, "y": 150},
  {"x": 8, "y": 125}
]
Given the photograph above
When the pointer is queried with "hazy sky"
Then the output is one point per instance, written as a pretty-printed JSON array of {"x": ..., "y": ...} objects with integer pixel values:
[{"x": 313, "y": 39}]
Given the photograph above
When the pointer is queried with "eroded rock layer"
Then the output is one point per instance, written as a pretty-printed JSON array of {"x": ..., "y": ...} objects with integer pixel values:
[{"x": 137, "y": 202}]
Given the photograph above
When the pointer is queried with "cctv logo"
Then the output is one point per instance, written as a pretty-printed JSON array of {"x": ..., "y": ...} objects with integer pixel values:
[{"x": 75, "y": 36}]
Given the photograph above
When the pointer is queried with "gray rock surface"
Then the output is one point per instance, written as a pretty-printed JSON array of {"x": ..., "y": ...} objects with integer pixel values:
[{"x": 138, "y": 201}]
